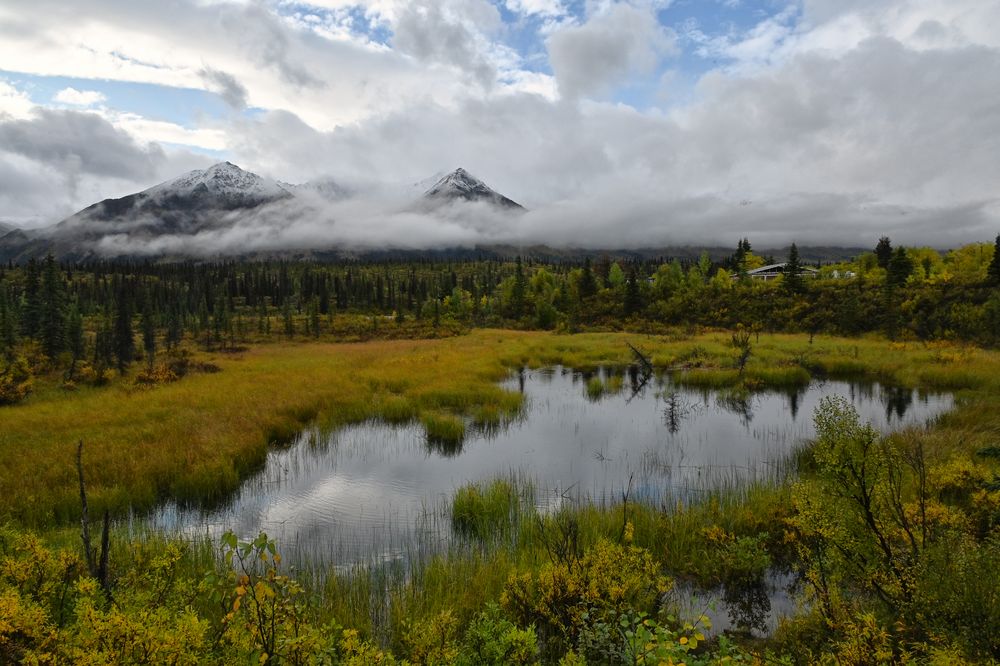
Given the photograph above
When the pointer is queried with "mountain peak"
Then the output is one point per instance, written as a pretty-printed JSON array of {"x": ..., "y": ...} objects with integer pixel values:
[{"x": 460, "y": 184}]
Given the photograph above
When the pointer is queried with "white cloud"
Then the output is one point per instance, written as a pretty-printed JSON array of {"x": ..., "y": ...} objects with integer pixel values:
[
  {"x": 536, "y": 7},
  {"x": 75, "y": 97},
  {"x": 614, "y": 44},
  {"x": 13, "y": 102}
]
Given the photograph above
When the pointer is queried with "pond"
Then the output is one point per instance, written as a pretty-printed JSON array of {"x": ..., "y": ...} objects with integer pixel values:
[{"x": 375, "y": 492}]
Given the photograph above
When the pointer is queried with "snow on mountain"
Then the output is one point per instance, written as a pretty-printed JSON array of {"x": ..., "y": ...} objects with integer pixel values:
[
  {"x": 182, "y": 204},
  {"x": 224, "y": 179},
  {"x": 224, "y": 199},
  {"x": 461, "y": 185}
]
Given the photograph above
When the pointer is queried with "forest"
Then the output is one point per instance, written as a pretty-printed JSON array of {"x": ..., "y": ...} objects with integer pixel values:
[{"x": 124, "y": 385}]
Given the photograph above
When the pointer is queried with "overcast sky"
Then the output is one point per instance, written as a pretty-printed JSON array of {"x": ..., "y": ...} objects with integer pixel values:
[{"x": 613, "y": 121}]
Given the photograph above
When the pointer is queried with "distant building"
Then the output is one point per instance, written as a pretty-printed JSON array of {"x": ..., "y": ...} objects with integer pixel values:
[{"x": 775, "y": 270}]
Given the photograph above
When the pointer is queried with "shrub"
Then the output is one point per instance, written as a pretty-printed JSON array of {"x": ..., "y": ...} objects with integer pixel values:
[
  {"x": 565, "y": 597},
  {"x": 16, "y": 381},
  {"x": 492, "y": 640}
]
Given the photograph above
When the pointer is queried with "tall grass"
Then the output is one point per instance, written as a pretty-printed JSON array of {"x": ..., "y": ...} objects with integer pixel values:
[{"x": 488, "y": 511}]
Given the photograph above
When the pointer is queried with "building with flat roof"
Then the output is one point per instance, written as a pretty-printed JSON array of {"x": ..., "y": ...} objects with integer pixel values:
[{"x": 772, "y": 271}]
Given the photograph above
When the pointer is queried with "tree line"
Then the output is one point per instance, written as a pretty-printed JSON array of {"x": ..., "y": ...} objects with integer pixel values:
[{"x": 109, "y": 313}]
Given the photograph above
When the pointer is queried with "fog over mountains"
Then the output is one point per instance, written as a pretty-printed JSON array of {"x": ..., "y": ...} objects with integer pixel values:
[{"x": 225, "y": 210}]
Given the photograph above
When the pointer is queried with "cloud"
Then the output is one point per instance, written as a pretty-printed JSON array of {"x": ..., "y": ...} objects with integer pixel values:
[
  {"x": 76, "y": 97},
  {"x": 448, "y": 33},
  {"x": 54, "y": 161},
  {"x": 79, "y": 141},
  {"x": 232, "y": 91},
  {"x": 536, "y": 7},
  {"x": 13, "y": 102},
  {"x": 837, "y": 120},
  {"x": 620, "y": 41}
]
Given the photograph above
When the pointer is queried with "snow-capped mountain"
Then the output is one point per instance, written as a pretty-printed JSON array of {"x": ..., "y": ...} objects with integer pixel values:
[
  {"x": 224, "y": 199},
  {"x": 224, "y": 182},
  {"x": 460, "y": 185},
  {"x": 175, "y": 203}
]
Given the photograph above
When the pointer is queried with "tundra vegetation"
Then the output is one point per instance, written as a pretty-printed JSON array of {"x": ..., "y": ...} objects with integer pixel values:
[{"x": 178, "y": 379}]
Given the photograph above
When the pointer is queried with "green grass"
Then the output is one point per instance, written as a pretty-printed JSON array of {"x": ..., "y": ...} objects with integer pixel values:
[
  {"x": 485, "y": 511},
  {"x": 444, "y": 431}
]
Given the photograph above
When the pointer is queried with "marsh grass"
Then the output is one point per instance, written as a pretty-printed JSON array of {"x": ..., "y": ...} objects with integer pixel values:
[
  {"x": 445, "y": 432},
  {"x": 487, "y": 511},
  {"x": 194, "y": 440}
]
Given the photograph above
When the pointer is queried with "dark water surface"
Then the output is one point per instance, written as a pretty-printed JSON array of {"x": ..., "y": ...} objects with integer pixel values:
[{"x": 374, "y": 492}]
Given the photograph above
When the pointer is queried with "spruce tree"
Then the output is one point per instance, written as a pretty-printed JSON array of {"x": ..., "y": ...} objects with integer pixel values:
[
  {"x": 148, "y": 325},
  {"x": 883, "y": 252},
  {"x": 993, "y": 272},
  {"x": 793, "y": 272},
  {"x": 633, "y": 296},
  {"x": 122, "y": 336},
  {"x": 588, "y": 285},
  {"x": 31, "y": 306},
  {"x": 900, "y": 268},
  {"x": 517, "y": 300},
  {"x": 74, "y": 339},
  {"x": 8, "y": 324},
  {"x": 52, "y": 315}
]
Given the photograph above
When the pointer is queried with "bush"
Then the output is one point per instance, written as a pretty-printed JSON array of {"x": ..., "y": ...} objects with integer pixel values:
[
  {"x": 16, "y": 381},
  {"x": 565, "y": 597},
  {"x": 492, "y": 640}
]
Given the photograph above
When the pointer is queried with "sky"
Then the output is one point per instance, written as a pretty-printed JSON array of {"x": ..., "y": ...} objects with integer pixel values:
[{"x": 630, "y": 122}]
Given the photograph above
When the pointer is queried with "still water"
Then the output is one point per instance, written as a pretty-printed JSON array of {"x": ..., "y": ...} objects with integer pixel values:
[{"x": 373, "y": 492}]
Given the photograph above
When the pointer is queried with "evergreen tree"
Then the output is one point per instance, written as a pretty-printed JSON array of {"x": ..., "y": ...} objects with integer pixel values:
[
  {"x": 74, "y": 339},
  {"x": 31, "y": 307},
  {"x": 286, "y": 312},
  {"x": 900, "y": 268},
  {"x": 122, "y": 336},
  {"x": 8, "y": 325},
  {"x": 793, "y": 272},
  {"x": 588, "y": 285},
  {"x": 52, "y": 315},
  {"x": 517, "y": 300},
  {"x": 633, "y": 296},
  {"x": 739, "y": 259},
  {"x": 993, "y": 272},
  {"x": 314, "y": 317},
  {"x": 174, "y": 327},
  {"x": 883, "y": 252},
  {"x": 148, "y": 325}
]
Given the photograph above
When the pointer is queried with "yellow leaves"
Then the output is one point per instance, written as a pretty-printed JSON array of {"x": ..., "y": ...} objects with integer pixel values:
[{"x": 236, "y": 604}]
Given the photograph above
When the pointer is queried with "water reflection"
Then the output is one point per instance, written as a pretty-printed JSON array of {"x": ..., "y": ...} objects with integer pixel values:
[{"x": 374, "y": 490}]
